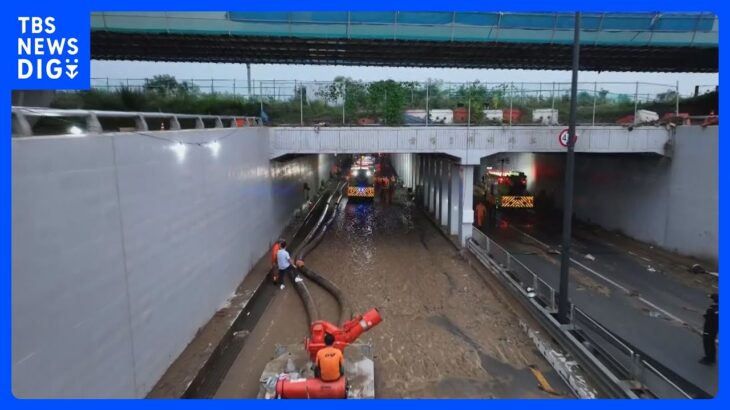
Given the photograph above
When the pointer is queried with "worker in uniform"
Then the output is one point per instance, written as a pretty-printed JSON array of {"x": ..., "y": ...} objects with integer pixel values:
[
  {"x": 481, "y": 213},
  {"x": 274, "y": 268},
  {"x": 329, "y": 365},
  {"x": 385, "y": 187},
  {"x": 284, "y": 263},
  {"x": 710, "y": 330}
]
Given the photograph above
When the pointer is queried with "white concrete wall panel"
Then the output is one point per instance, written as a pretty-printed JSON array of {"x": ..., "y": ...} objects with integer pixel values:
[
  {"x": 68, "y": 281},
  {"x": 122, "y": 249}
]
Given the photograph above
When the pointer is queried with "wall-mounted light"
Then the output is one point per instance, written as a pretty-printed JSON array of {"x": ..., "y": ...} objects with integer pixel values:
[
  {"x": 180, "y": 150},
  {"x": 214, "y": 147}
]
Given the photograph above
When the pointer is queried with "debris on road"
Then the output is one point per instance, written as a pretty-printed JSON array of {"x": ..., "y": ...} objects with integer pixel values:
[{"x": 697, "y": 269}]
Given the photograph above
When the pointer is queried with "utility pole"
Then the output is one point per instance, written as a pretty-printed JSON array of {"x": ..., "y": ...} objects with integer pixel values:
[
  {"x": 564, "y": 303},
  {"x": 248, "y": 78}
]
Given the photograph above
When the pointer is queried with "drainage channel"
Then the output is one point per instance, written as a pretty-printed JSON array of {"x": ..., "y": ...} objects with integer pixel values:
[{"x": 207, "y": 382}]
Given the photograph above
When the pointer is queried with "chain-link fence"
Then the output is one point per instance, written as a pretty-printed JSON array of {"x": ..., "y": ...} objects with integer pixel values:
[{"x": 431, "y": 103}]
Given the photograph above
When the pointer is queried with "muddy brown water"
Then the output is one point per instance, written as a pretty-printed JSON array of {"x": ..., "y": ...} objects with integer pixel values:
[{"x": 444, "y": 332}]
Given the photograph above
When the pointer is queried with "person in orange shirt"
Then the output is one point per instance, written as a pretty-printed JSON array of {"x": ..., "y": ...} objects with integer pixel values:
[
  {"x": 329, "y": 365},
  {"x": 274, "y": 267},
  {"x": 481, "y": 213}
]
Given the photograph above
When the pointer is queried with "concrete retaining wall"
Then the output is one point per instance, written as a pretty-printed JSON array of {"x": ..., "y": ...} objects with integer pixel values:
[
  {"x": 123, "y": 248},
  {"x": 669, "y": 202}
]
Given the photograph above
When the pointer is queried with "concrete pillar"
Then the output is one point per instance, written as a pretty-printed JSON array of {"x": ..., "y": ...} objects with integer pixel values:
[
  {"x": 408, "y": 182},
  {"x": 454, "y": 193},
  {"x": 439, "y": 190},
  {"x": 444, "y": 216},
  {"x": 434, "y": 186},
  {"x": 466, "y": 209},
  {"x": 431, "y": 187},
  {"x": 427, "y": 182},
  {"x": 414, "y": 167},
  {"x": 409, "y": 166}
]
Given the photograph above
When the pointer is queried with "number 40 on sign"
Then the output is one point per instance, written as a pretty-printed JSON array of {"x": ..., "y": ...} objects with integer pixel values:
[{"x": 563, "y": 138}]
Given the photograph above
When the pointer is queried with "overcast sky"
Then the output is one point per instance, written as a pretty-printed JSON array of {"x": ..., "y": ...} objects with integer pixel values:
[{"x": 183, "y": 71}]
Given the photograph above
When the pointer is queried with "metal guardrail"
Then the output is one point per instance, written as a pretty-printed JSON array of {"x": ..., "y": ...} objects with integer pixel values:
[
  {"x": 635, "y": 370},
  {"x": 23, "y": 128}
]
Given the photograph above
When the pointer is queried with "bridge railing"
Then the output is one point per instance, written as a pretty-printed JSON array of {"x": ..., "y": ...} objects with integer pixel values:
[
  {"x": 637, "y": 370},
  {"x": 30, "y": 121},
  {"x": 348, "y": 102}
]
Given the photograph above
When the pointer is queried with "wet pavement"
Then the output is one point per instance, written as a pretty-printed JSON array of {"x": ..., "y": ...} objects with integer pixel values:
[
  {"x": 644, "y": 295},
  {"x": 445, "y": 332}
]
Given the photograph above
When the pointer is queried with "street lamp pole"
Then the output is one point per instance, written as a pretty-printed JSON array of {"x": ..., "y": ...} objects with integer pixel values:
[{"x": 563, "y": 302}]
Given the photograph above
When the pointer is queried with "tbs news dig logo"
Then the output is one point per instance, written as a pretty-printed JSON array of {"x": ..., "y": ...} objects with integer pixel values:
[{"x": 43, "y": 55}]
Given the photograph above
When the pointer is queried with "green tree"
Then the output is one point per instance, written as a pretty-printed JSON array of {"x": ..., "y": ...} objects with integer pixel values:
[
  {"x": 475, "y": 96},
  {"x": 353, "y": 93},
  {"x": 387, "y": 99},
  {"x": 167, "y": 85}
]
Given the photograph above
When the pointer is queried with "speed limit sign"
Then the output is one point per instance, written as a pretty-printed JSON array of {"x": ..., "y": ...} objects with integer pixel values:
[{"x": 563, "y": 137}]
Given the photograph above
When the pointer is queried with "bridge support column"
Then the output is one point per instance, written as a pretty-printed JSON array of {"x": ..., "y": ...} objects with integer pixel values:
[
  {"x": 454, "y": 202},
  {"x": 466, "y": 198},
  {"x": 412, "y": 167},
  {"x": 439, "y": 189},
  {"x": 424, "y": 181},
  {"x": 431, "y": 184},
  {"x": 444, "y": 214}
]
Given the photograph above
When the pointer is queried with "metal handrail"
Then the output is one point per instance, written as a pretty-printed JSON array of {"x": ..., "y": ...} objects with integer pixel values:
[
  {"x": 24, "y": 129},
  {"x": 602, "y": 332}
]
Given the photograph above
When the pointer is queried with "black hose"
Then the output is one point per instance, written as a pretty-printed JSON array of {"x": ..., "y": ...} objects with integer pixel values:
[
  {"x": 309, "y": 305},
  {"x": 311, "y": 241},
  {"x": 345, "y": 307}
]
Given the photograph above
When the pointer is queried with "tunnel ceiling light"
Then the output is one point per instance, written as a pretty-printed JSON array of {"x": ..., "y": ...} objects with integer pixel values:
[
  {"x": 74, "y": 130},
  {"x": 214, "y": 147}
]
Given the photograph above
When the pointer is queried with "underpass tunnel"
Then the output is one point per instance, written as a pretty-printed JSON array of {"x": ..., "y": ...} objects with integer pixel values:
[{"x": 667, "y": 201}]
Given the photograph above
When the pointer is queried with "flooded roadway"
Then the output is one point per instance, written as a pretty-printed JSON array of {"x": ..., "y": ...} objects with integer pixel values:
[{"x": 445, "y": 333}]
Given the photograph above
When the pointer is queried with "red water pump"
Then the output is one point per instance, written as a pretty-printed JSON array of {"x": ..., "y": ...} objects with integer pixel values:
[
  {"x": 311, "y": 388},
  {"x": 348, "y": 333}
]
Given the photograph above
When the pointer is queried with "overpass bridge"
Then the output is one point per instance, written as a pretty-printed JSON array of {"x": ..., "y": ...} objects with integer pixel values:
[
  {"x": 467, "y": 144},
  {"x": 610, "y": 41}
]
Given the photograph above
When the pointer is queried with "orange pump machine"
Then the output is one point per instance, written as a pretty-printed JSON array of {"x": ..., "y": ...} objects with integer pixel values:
[{"x": 314, "y": 388}]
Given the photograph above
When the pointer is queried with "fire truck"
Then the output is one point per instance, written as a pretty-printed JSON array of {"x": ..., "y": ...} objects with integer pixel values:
[
  {"x": 361, "y": 180},
  {"x": 508, "y": 190}
]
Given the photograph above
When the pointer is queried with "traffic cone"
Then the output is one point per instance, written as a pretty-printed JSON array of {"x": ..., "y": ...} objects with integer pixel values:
[{"x": 162, "y": 127}]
